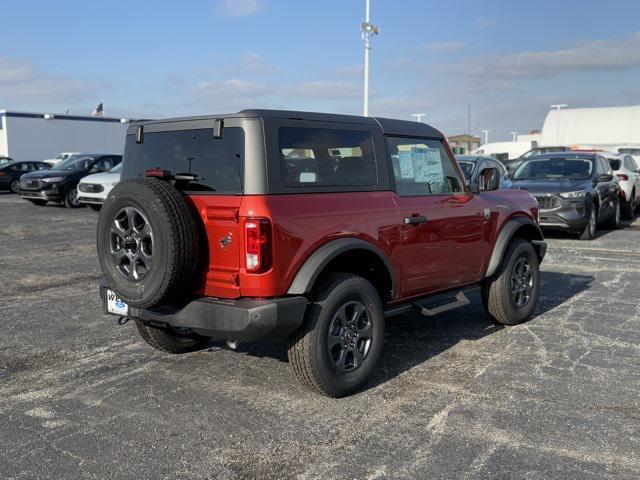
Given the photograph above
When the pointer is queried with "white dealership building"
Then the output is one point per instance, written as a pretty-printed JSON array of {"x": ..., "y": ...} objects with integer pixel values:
[{"x": 38, "y": 136}]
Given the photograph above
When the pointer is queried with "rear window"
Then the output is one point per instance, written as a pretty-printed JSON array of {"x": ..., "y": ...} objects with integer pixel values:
[
  {"x": 317, "y": 157},
  {"x": 216, "y": 163}
]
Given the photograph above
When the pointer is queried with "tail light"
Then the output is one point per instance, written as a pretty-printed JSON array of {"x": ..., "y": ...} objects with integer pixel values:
[
  {"x": 257, "y": 238},
  {"x": 622, "y": 176}
]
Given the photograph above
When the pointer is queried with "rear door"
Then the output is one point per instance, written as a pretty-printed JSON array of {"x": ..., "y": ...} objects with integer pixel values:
[
  {"x": 441, "y": 225},
  {"x": 215, "y": 191}
]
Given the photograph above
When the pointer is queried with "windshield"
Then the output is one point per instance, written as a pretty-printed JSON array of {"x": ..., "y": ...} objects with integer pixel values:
[
  {"x": 467, "y": 168},
  {"x": 554, "y": 168},
  {"x": 75, "y": 164},
  {"x": 630, "y": 151},
  {"x": 116, "y": 169}
]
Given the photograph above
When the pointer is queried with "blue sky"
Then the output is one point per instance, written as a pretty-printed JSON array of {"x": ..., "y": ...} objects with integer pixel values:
[{"x": 509, "y": 59}]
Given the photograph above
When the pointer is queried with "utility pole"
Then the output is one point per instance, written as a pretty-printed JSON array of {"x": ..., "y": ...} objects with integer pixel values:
[
  {"x": 419, "y": 116},
  {"x": 367, "y": 30},
  {"x": 486, "y": 136}
]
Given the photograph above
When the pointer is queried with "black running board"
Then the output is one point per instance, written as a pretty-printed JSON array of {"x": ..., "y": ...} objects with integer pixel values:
[{"x": 435, "y": 304}]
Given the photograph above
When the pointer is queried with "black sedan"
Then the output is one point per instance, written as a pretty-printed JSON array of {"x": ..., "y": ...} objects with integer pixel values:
[
  {"x": 60, "y": 183},
  {"x": 10, "y": 173},
  {"x": 576, "y": 191},
  {"x": 473, "y": 164}
]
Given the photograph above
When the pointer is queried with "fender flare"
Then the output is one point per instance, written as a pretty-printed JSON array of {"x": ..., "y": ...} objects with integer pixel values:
[
  {"x": 507, "y": 233},
  {"x": 313, "y": 266}
]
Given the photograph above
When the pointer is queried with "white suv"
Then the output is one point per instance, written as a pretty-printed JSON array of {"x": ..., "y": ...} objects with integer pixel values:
[
  {"x": 628, "y": 173},
  {"x": 93, "y": 189}
]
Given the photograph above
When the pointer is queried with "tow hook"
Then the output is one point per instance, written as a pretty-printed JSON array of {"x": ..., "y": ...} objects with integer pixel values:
[{"x": 123, "y": 320}]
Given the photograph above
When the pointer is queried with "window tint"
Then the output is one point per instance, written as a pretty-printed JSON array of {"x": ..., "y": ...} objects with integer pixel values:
[
  {"x": 422, "y": 167},
  {"x": 217, "y": 163},
  {"x": 102, "y": 165},
  {"x": 615, "y": 163},
  {"x": 21, "y": 167},
  {"x": 317, "y": 157}
]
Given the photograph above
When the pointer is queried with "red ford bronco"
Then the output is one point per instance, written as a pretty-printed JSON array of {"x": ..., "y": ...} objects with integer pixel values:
[{"x": 311, "y": 227}]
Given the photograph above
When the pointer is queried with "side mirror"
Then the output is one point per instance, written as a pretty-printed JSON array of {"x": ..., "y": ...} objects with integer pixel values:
[
  {"x": 488, "y": 179},
  {"x": 605, "y": 177}
]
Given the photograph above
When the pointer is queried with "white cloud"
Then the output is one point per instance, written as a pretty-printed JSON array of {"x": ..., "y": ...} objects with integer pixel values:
[
  {"x": 25, "y": 82},
  {"x": 445, "y": 47},
  {"x": 240, "y": 8},
  {"x": 233, "y": 88},
  {"x": 612, "y": 54},
  {"x": 254, "y": 63},
  {"x": 484, "y": 23},
  {"x": 328, "y": 90},
  {"x": 350, "y": 71}
]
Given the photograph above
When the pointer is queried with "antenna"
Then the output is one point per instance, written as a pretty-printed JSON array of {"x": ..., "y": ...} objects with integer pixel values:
[{"x": 367, "y": 30}]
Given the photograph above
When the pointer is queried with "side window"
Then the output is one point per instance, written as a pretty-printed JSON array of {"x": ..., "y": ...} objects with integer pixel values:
[
  {"x": 21, "y": 167},
  {"x": 422, "y": 167},
  {"x": 102, "y": 165},
  {"x": 318, "y": 157},
  {"x": 607, "y": 166},
  {"x": 41, "y": 166},
  {"x": 634, "y": 165}
]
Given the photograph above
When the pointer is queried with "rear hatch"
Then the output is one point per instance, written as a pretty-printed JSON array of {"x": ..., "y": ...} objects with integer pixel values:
[{"x": 215, "y": 170}]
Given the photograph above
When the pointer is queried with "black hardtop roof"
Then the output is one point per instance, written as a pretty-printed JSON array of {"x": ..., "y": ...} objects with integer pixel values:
[{"x": 389, "y": 126}]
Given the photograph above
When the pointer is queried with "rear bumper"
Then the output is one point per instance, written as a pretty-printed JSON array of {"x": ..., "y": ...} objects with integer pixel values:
[{"x": 243, "y": 319}]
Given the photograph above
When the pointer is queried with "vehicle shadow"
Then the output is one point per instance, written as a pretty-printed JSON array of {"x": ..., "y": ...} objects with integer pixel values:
[{"x": 412, "y": 339}]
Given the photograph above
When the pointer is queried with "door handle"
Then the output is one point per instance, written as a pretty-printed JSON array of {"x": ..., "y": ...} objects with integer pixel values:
[{"x": 415, "y": 220}]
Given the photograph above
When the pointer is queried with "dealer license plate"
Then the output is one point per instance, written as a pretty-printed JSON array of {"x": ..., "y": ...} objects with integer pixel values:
[{"x": 115, "y": 304}]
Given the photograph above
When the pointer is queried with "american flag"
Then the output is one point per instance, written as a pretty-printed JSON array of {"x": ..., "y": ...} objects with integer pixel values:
[{"x": 99, "y": 111}]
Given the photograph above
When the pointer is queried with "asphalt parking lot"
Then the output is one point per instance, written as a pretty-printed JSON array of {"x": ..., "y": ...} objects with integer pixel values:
[{"x": 454, "y": 397}]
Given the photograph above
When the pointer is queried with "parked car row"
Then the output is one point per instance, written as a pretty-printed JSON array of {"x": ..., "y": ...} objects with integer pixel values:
[
  {"x": 39, "y": 182},
  {"x": 577, "y": 190}
]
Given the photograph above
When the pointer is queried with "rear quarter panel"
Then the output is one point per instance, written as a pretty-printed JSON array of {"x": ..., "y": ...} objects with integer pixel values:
[{"x": 304, "y": 222}]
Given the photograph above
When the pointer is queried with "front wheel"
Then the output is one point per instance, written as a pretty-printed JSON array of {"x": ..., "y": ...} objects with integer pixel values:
[
  {"x": 589, "y": 231},
  {"x": 510, "y": 296},
  {"x": 171, "y": 340},
  {"x": 13, "y": 186},
  {"x": 71, "y": 198},
  {"x": 629, "y": 208},
  {"x": 340, "y": 340},
  {"x": 614, "y": 220}
]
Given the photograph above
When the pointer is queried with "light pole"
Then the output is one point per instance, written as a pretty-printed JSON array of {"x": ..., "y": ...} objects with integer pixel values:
[
  {"x": 486, "y": 136},
  {"x": 367, "y": 30},
  {"x": 419, "y": 116}
]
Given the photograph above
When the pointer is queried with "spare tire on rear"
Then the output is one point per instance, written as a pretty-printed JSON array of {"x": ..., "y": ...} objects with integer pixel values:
[{"x": 148, "y": 243}]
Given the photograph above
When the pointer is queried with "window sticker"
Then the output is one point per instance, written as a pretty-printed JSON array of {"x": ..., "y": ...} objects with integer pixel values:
[
  {"x": 427, "y": 165},
  {"x": 406, "y": 164}
]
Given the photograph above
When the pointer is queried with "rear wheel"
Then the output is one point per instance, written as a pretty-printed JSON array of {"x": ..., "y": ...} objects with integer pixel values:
[
  {"x": 171, "y": 340},
  {"x": 40, "y": 203},
  {"x": 510, "y": 296},
  {"x": 13, "y": 186},
  {"x": 71, "y": 198},
  {"x": 590, "y": 228},
  {"x": 341, "y": 338}
]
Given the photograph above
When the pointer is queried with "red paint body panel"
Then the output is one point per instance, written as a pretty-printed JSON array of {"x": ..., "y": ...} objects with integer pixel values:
[{"x": 452, "y": 249}]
